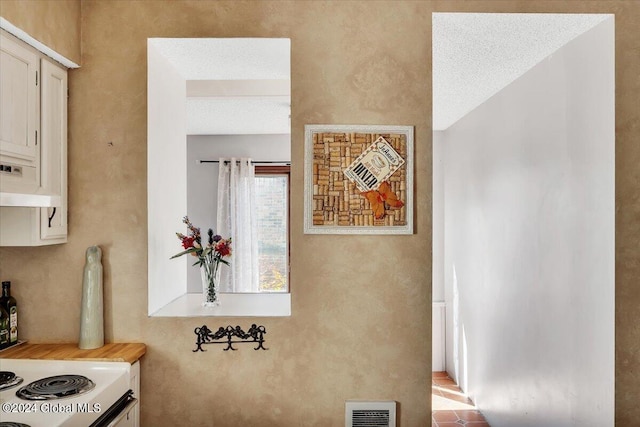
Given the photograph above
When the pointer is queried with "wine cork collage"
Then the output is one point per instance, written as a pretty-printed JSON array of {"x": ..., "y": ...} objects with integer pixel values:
[{"x": 358, "y": 179}]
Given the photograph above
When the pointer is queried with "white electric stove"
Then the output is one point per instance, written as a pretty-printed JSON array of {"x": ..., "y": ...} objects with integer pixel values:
[{"x": 67, "y": 393}]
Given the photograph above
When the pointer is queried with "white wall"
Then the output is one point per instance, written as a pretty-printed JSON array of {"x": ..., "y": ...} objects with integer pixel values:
[
  {"x": 166, "y": 178},
  {"x": 438, "y": 337},
  {"x": 529, "y": 242},
  {"x": 438, "y": 218},
  {"x": 202, "y": 178}
]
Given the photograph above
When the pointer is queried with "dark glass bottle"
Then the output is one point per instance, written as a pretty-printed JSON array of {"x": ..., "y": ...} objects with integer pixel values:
[
  {"x": 4, "y": 328},
  {"x": 10, "y": 305}
]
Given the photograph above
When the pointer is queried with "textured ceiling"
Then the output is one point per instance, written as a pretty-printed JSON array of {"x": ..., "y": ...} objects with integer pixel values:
[
  {"x": 227, "y": 58},
  {"x": 475, "y": 55},
  {"x": 242, "y": 62}
]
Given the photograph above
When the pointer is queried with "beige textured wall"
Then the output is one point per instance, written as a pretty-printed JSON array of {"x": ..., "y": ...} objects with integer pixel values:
[
  {"x": 360, "y": 324},
  {"x": 54, "y": 23}
]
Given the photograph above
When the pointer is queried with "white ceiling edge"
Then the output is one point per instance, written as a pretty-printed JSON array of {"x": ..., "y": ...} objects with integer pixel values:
[
  {"x": 217, "y": 88},
  {"x": 475, "y": 55},
  {"x": 238, "y": 116}
]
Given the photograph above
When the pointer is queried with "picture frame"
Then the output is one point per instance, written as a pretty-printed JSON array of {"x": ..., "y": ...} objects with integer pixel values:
[{"x": 358, "y": 179}]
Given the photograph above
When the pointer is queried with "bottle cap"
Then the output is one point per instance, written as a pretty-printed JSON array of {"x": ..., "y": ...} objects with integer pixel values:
[{"x": 6, "y": 283}]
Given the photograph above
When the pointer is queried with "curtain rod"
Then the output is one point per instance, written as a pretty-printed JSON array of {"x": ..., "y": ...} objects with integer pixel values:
[{"x": 255, "y": 162}]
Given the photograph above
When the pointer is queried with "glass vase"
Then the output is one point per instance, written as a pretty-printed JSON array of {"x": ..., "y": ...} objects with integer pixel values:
[{"x": 210, "y": 274}]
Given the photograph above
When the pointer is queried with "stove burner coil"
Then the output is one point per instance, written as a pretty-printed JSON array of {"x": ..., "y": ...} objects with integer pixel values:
[
  {"x": 8, "y": 380},
  {"x": 6, "y": 376},
  {"x": 12, "y": 424},
  {"x": 56, "y": 387}
]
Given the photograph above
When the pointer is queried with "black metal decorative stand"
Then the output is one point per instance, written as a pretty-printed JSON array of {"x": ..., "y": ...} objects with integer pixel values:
[{"x": 255, "y": 334}]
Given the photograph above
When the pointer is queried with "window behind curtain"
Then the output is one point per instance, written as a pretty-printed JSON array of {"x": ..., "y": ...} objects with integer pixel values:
[{"x": 272, "y": 197}]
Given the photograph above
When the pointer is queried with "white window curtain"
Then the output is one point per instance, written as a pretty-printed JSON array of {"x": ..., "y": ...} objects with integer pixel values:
[{"x": 236, "y": 217}]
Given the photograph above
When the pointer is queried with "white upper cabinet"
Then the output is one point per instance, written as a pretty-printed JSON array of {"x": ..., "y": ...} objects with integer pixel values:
[
  {"x": 53, "y": 116},
  {"x": 18, "y": 100},
  {"x": 33, "y": 149}
]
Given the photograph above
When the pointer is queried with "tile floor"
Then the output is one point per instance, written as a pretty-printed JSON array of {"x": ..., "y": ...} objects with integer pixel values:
[{"x": 450, "y": 407}]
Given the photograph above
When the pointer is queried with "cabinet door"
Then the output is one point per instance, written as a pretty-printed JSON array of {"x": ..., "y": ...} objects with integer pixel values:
[
  {"x": 18, "y": 101},
  {"x": 53, "y": 146}
]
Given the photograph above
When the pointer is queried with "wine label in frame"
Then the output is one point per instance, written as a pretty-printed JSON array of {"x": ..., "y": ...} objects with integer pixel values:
[{"x": 377, "y": 163}]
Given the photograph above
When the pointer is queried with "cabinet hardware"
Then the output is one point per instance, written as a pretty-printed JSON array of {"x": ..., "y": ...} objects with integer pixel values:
[{"x": 52, "y": 215}]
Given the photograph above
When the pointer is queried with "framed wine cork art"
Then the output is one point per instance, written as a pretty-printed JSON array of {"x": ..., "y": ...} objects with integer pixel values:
[{"x": 358, "y": 179}]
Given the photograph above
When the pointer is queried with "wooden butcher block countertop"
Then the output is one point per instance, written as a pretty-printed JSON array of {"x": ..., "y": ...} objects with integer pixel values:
[{"x": 116, "y": 352}]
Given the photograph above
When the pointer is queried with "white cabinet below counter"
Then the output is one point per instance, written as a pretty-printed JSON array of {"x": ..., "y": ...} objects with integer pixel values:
[{"x": 33, "y": 146}]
